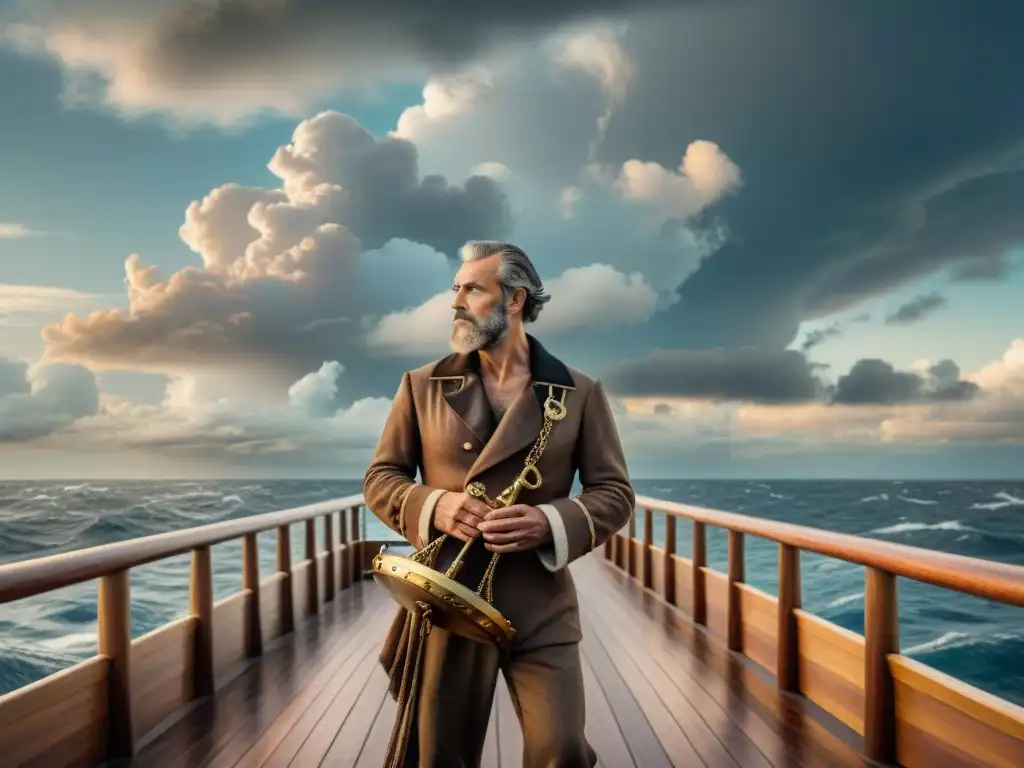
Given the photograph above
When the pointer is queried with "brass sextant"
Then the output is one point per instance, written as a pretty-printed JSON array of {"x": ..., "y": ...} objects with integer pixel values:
[{"x": 415, "y": 584}]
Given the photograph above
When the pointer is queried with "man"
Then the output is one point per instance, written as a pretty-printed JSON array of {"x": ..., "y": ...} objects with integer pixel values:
[{"x": 473, "y": 416}]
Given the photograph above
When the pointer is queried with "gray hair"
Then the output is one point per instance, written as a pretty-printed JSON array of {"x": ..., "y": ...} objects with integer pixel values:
[{"x": 515, "y": 271}]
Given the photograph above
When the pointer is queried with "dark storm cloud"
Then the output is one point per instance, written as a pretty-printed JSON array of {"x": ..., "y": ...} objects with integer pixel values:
[
  {"x": 820, "y": 336},
  {"x": 756, "y": 376},
  {"x": 878, "y": 145},
  {"x": 877, "y": 382},
  {"x": 750, "y": 375},
  {"x": 198, "y": 38},
  {"x": 917, "y": 308}
]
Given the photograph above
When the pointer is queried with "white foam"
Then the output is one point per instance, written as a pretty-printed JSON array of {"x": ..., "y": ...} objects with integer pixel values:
[
  {"x": 923, "y": 502},
  {"x": 908, "y": 527},
  {"x": 1004, "y": 500}
]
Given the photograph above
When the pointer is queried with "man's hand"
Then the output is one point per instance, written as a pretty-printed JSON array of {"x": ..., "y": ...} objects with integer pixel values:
[
  {"x": 515, "y": 528},
  {"x": 459, "y": 514}
]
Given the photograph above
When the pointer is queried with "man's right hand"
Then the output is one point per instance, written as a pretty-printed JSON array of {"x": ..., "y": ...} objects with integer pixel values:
[{"x": 459, "y": 514}]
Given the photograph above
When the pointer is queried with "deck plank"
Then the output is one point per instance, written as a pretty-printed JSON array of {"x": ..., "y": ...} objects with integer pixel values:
[
  {"x": 659, "y": 692},
  {"x": 245, "y": 707},
  {"x": 783, "y": 725}
]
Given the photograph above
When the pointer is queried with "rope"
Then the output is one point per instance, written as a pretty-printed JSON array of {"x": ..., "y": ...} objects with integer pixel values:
[{"x": 414, "y": 637}]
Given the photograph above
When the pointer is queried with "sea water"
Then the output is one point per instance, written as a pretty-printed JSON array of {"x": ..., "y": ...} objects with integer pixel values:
[{"x": 975, "y": 640}]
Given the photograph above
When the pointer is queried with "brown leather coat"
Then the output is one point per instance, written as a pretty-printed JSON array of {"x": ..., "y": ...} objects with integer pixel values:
[{"x": 442, "y": 425}]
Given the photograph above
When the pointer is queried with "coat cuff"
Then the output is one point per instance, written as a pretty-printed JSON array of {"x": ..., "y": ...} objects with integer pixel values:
[
  {"x": 418, "y": 513},
  {"x": 572, "y": 533},
  {"x": 556, "y": 555}
]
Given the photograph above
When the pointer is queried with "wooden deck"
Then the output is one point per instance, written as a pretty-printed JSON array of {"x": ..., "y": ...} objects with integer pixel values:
[{"x": 659, "y": 693}]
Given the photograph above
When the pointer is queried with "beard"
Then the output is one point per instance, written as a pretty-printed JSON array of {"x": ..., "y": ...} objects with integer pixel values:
[{"x": 481, "y": 334}]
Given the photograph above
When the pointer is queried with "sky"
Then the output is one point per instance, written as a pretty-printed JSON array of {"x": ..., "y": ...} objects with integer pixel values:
[{"x": 786, "y": 235}]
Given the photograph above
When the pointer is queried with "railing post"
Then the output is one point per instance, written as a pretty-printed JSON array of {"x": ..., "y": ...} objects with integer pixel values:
[
  {"x": 668, "y": 568},
  {"x": 735, "y": 578},
  {"x": 345, "y": 558},
  {"x": 881, "y": 637},
  {"x": 200, "y": 598},
  {"x": 331, "y": 576},
  {"x": 787, "y": 652},
  {"x": 700, "y": 560},
  {"x": 648, "y": 575},
  {"x": 355, "y": 547},
  {"x": 114, "y": 640},
  {"x": 284, "y": 565},
  {"x": 630, "y": 549},
  {"x": 312, "y": 577},
  {"x": 251, "y": 582}
]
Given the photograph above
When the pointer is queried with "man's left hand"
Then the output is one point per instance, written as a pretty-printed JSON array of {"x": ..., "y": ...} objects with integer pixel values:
[{"x": 515, "y": 528}]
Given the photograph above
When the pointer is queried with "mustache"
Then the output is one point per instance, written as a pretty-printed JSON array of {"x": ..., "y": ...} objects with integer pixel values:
[{"x": 461, "y": 314}]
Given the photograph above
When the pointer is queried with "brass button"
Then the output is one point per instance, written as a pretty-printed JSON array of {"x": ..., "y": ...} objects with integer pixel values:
[{"x": 467, "y": 446}]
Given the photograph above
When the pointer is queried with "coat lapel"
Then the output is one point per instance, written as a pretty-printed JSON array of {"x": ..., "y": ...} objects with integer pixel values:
[
  {"x": 522, "y": 421},
  {"x": 459, "y": 379}
]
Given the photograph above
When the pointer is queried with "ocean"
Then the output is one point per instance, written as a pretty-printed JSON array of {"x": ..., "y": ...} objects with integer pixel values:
[{"x": 972, "y": 639}]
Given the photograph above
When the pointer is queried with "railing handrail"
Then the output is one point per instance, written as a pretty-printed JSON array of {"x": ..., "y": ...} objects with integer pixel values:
[
  {"x": 1001, "y": 582},
  {"x": 27, "y": 578}
]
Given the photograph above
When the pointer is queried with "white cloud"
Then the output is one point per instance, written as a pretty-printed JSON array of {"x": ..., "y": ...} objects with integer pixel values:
[
  {"x": 595, "y": 296},
  {"x": 29, "y": 306},
  {"x": 704, "y": 175},
  {"x": 43, "y": 399},
  {"x": 189, "y": 423},
  {"x": 12, "y": 230},
  {"x": 289, "y": 272},
  {"x": 315, "y": 392}
]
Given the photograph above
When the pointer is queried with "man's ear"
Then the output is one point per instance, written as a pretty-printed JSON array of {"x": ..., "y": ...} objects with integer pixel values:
[{"x": 517, "y": 300}]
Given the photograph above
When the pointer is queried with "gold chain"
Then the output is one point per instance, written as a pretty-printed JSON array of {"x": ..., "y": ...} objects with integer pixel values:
[{"x": 554, "y": 410}]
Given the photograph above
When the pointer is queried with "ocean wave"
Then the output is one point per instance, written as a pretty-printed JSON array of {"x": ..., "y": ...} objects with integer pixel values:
[
  {"x": 922, "y": 502},
  {"x": 41, "y": 635},
  {"x": 867, "y": 499},
  {"x": 1003, "y": 500},
  {"x": 912, "y": 527},
  {"x": 845, "y": 600},
  {"x": 954, "y": 640}
]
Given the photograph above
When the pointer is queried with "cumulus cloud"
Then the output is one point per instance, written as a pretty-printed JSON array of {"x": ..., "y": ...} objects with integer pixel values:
[
  {"x": 188, "y": 423},
  {"x": 43, "y": 399},
  {"x": 705, "y": 175},
  {"x": 592, "y": 297},
  {"x": 288, "y": 273}
]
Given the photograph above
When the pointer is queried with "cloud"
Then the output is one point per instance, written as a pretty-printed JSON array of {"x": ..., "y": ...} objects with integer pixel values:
[
  {"x": 703, "y": 177},
  {"x": 29, "y": 306},
  {"x": 748, "y": 374},
  {"x": 872, "y": 406},
  {"x": 43, "y": 400},
  {"x": 288, "y": 273},
  {"x": 593, "y": 297},
  {"x": 874, "y": 381},
  {"x": 189, "y": 424},
  {"x": 11, "y": 230},
  {"x": 917, "y": 309},
  {"x": 758, "y": 376},
  {"x": 226, "y": 61}
]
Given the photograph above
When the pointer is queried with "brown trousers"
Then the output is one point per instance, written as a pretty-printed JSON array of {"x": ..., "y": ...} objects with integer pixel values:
[{"x": 457, "y": 691}]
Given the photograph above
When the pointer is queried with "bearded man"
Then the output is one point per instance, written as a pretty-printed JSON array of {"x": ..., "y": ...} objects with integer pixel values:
[{"x": 472, "y": 417}]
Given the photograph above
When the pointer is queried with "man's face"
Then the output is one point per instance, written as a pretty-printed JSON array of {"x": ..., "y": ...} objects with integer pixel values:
[{"x": 479, "y": 316}]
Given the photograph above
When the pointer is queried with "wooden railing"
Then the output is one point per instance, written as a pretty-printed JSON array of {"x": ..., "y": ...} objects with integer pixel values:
[
  {"x": 908, "y": 713},
  {"x": 97, "y": 709}
]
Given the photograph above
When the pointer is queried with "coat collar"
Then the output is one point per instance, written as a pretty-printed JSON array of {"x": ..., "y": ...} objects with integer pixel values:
[{"x": 461, "y": 387}]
